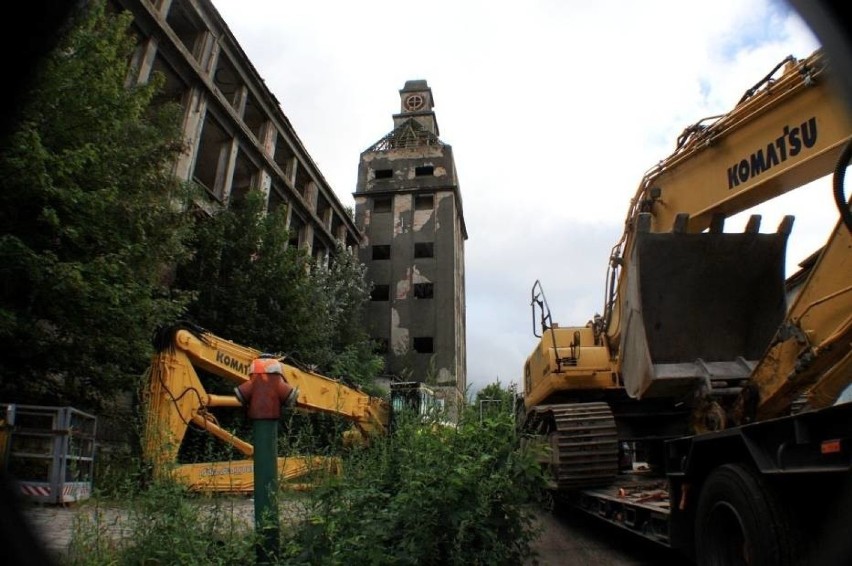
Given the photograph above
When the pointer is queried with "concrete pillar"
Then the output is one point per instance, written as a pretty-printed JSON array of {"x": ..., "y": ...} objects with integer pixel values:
[
  {"x": 311, "y": 193},
  {"x": 240, "y": 99},
  {"x": 193, "y": 123},
  {"x": 210, "y": 50},
  {"x": 162, "y": 7},
  {"x": 291, "y": 171},
  {"x": 225, "y": 169},
  {"x": 142, "y": 62},
  {"x": 306, "y": 238},
  {"x": 263, "y": 181},
  {"x": 268, "y": 138}
]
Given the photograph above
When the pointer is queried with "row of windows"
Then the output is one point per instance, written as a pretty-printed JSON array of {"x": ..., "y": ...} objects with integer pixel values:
[
  {"x": 420, "y": 344},
  {"x": 421, "y": 202},
  {"x": 421, "y": 250},
  {"x": 421, "y": 291},
  {"x": 422, "y": 171}
]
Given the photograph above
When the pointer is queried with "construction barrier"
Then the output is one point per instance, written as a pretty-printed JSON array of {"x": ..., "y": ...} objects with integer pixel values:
[{"x": 48, "y": 451}]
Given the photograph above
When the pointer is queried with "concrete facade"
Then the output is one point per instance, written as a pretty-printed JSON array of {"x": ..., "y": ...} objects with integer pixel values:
[
  {"x": 236, "y": 134},
  {"x": 408, "y": 205}
]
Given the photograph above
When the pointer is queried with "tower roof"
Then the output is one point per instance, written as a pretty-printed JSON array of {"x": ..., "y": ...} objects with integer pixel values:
[{"x": 409, "y": 134}]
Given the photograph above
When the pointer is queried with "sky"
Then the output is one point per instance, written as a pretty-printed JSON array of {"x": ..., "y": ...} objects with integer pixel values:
[{"x": 554, "y": 110}]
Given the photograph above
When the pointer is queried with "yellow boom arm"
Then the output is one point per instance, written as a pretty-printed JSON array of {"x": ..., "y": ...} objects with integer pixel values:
[{"x": 176, "y": 398}]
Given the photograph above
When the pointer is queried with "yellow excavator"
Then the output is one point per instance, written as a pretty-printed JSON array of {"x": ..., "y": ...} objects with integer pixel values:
[
  {"x": 706, "y": 365},
  {"x": 175, "y": 399}
]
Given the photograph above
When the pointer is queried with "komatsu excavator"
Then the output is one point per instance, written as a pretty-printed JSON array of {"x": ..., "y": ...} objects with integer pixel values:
[
  {"x": 698, "y": 363},
  {"x": 176, "y": 399}
]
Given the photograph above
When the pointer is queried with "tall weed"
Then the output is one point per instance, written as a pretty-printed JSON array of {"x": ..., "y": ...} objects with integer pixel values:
[{"x": 428, "y": 494}]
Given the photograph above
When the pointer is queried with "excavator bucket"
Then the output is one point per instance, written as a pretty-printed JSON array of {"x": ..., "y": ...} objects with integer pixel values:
[{"x": 706, "y": 307}]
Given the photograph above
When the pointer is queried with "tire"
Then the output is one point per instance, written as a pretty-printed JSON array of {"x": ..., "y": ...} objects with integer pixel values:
[{"x": 740, "y": 521}]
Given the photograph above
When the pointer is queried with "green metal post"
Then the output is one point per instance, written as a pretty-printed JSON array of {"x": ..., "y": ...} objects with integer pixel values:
[{"x": 265, "y": 437}]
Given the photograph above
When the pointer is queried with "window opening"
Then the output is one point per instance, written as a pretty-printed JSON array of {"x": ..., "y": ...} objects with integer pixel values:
[
  {"x": 382, "y": 204},
  {"x": 381, "y": 252},
  {"x": 424, "y": 249},
  {"x": 424, "y": 290},
  {"x": 380, "y": 293},
  {"x": 384, "y": 173},
  {"x": 424, "y": 171},
  {"x": 424, "y": 202},
  {"x": 423, "y": 344}
]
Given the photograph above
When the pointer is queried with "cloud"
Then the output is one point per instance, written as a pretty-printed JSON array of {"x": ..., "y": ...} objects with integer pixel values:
[{"x": 554, "y": 109}]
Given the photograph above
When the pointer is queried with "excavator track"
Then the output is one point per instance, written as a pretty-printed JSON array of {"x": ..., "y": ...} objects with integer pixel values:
[{"x": 582, "y": 441}]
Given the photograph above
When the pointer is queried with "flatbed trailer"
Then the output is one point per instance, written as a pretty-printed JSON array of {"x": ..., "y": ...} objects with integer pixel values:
[{"x": 800, "y": 465}]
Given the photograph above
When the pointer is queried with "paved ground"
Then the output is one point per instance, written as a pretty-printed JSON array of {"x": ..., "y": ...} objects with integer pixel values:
[
  {"x": 54, "y": 524},
  {"x": 573, "y": 538},
  {"x": 568, "y": 538}
]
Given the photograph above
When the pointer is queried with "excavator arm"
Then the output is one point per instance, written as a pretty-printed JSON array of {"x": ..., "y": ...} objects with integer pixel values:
[
  {"x": 688, "y": 303},
  {"x": 176, "y": 399}
]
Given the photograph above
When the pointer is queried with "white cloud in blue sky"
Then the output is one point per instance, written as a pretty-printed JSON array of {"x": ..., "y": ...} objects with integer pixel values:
[{"x": 554, "y": 109}]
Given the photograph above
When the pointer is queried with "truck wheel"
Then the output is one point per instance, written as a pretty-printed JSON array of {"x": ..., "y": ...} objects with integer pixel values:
[{"x": 739, "y": 520}]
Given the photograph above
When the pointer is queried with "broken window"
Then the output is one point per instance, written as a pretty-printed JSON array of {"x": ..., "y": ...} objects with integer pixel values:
[
  {"x": 423, "y": 344},
  {"x": 424, "y": 249},
  {"x": 424, "y": 171},
  {"x": 381, "y": 252},
  {"x": 424, "y": 202},
  {"x": 380, "y": 293},
  {"x": 424, "y": 290},
  {"x": 384, "y": 173},
  {"x": 382, "y": 204}
]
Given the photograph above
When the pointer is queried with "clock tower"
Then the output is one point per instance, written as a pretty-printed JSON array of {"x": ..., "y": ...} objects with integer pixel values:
[
  {"x": 416, "y": 102},
  {"x": 408, "y": 205}
]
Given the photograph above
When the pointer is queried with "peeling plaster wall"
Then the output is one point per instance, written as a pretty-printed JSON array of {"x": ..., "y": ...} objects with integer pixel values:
[
  {"x": 402, "y": 220},
  {"x": 403, "y": 317},
  {"x": 399, "y": 342}
]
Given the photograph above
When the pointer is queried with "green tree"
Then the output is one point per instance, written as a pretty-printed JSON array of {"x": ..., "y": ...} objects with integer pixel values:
[
  {"x": 90, "y": 227},
  {"x": 495, "y": 399},
  {"x": 255, "y": 289}
]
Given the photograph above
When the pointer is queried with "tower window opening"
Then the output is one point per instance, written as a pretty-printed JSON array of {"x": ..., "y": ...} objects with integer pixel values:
[
  {"x": 382, "y": 204},
  {"x": 424, "y": 171},
  {"x": 424, "y": 290},
  {"x": 424, "y": 202},
  {"x": 380, "y": 293},
  {"x": 384, "y": 173},
  {"x": 423, "y": 344},
  {"x": 424, "y": 249},
  {"x": 381, "y": 252}
]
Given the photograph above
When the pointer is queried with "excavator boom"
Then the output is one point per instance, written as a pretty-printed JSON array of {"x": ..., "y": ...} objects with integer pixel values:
[{"x": 176, "y": 399}]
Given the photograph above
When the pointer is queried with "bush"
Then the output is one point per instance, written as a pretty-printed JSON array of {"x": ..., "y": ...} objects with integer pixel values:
[{"x": 429, "y": 494}]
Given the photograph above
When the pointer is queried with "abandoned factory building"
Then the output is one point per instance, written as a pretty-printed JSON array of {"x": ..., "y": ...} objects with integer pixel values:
[
  {"x": 408, "y": 204},
  {"x": 237, "y": 136},
  {"x": 408, "y": 228}
]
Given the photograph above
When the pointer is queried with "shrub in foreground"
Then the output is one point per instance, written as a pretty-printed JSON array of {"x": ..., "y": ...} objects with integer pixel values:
[{"x": 426, "y": 495}]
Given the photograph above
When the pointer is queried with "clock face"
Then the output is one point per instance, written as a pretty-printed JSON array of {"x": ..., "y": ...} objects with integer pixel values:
[{"x": 414, "y": 102}]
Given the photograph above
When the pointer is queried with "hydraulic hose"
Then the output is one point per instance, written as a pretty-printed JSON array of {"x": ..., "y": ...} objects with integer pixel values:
[{"x": 838, "y": 181}]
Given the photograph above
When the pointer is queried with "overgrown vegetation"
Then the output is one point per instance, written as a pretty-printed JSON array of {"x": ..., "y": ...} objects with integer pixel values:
[
  {"x": 89, "y": 231},
  {"x": 428, "y": 494},
  {"x": 102, "y": 245},
  {"x": 254, "y": 289},
  {"x": 161, "y": 525}
]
